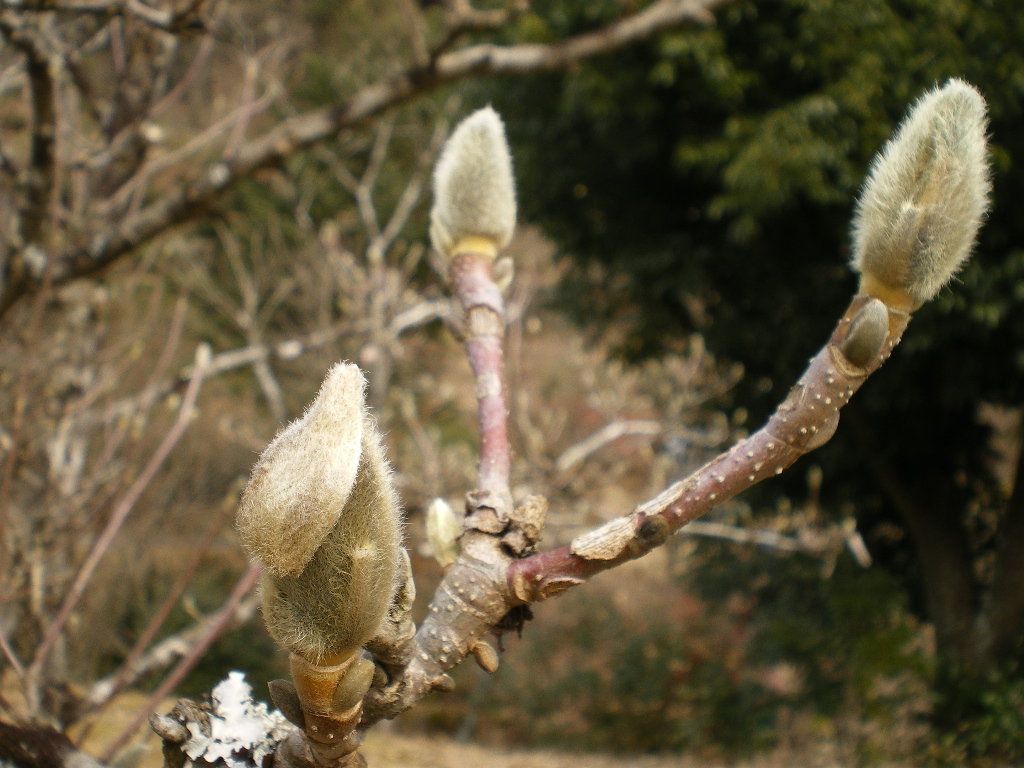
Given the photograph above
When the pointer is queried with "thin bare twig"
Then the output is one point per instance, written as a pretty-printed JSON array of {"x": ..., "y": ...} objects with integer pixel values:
[
  {"x": 412, "y": 16},
  {"x": 122, "y": 234},
  {"x": 247, "y": 101},
  {"x": 42, "y": 159},
  {"x": 216, "y": 626},
  {"x": 118, "y": 516},
  {"x": 12, "y": 657},
  {"x": 130, "y": 189},
  {"x": 413, "y": 189},
  {"x": 607, "y": 434},
  {"x": 163, "y": 20},
  {"x": 127, "y": 672}
]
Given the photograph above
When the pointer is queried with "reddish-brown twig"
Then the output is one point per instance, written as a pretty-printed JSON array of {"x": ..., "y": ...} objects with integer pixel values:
[
  {"x": 481, "y": 299},
  {"x": 804, "y": 421},
  {"x": 487, "y": 581}
]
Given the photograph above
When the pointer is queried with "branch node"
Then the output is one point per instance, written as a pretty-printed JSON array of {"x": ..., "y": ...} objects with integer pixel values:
[{"x": 488, "y": 511}]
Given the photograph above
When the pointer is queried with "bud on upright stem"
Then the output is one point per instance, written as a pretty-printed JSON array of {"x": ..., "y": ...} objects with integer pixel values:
[
  {"x": 924, "y": 199},
  {"x": 474, "y": 189}
]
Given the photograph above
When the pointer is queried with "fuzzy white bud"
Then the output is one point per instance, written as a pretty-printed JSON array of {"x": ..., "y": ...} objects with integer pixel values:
[
  {"x": 924, "y": 199},
  {"x": 443, "y": 531},
  {"x": 320, "y": 512},
  {"x": 474, "y": 189}
]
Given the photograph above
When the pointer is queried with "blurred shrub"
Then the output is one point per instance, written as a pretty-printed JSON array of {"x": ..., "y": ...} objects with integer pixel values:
[
  {"x": 732, "y": 651},
  {"x": 979, "y": 722}
]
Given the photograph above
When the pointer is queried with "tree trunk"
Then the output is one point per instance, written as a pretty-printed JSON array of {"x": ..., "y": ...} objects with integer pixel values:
[{"x": 999, "y": 625}]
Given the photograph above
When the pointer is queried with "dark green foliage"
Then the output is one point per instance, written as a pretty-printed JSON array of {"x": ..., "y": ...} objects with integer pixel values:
[{"x": 981, "y": 720}]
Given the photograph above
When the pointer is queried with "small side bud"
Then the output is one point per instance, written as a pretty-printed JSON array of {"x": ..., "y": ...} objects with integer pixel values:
[
  {"x": 443, "y": 531},
  {"x": 485, "y": 656},
  {"x": 924, "y": 199},
  {"x": 474, "y": 189},
  {"x": 866, "y": 334},
  {"x": 322, "y": 515}
]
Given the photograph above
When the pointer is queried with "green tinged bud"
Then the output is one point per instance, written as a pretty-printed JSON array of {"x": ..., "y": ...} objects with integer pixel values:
[
  {"x": 474, "y": 189},
  {"x": 443, "y": 531},
  {"x": 924, "y": 198},
  {"x": 322, "y": 516},
  {"x": 866, "y": 334}
]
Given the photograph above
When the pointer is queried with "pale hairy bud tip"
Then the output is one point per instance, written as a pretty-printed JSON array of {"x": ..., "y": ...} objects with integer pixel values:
[
  {"x": 924, "y": 199},
  {"x": 321, "y": 513},
  {"x": 474, "y": 188},
  {"x": 304, "y": 477}
]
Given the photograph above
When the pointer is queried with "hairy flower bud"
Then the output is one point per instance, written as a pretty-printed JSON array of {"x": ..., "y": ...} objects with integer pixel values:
[
  {"x": 321, "y": 514},
  {"x": 474, "y": 189},
  {"x": 924, "y": 198}
]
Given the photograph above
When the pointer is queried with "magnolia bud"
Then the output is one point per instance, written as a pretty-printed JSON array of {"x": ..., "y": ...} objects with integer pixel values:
[
  {"x": 321, "y": 515},
  {"x": 924, "y": 198},
  {"x": 866, "y": 335},
  {"x": 474, "y": 190},
  {"x": 443, "y": 531}
]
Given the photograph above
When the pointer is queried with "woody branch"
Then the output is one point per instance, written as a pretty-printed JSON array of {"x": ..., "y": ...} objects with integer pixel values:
[
  {"x": 490, "y": 577},
  {"x": 934, "y": 168}
]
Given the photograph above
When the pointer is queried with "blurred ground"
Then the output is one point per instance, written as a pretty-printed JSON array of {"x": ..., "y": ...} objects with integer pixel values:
[
  {"x": 384, "y": 748},
  {"x": 389, "y": 750}
]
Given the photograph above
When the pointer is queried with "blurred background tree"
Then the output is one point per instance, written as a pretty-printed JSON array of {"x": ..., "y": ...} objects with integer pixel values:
[{"x": 203, "y": 203}]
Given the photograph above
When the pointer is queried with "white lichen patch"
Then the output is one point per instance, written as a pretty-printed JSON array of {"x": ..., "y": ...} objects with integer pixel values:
[{"x": 242, "y": 731}]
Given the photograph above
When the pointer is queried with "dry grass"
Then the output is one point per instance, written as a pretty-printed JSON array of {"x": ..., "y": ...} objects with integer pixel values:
[
  {"x": 108, "y": 726},
  {"x": 390, "y": 750},
  {"x": 384, "y": 748}
]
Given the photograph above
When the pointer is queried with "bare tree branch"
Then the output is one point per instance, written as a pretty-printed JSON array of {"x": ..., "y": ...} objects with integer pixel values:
[
  {"x": 117, "y": 236},
  {"x": 488, "y": 579},
  {"x": 212, "y": 629},
  {"x": 41, "y": 176},
  {"x": 607, "y": 434},
  {"x": 165, "y": 20},
  {"x": 117, "y": 518}
]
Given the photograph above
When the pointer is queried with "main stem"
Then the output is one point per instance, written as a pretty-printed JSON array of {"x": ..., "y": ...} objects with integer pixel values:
[{"x": 481, "y": 299}]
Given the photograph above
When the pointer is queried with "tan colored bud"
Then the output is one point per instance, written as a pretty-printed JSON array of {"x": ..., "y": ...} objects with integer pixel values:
[
  {"x": 474, "y": 189},
  {"x": 321, "y": 514},
  {"x": 924, "y": 199},
  {"x": 443, "y": 531}
]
